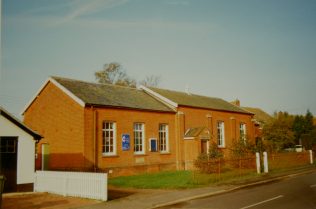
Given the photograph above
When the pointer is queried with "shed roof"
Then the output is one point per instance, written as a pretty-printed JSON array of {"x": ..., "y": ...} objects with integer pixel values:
[
  {"x": 193, "y": 100},
  {"x": 18, "y": 123},
  {"x": 111, "y": 95}
]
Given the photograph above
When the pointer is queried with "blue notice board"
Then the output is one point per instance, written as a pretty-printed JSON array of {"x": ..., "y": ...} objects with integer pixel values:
[
  {"x": 125, "y": 142},
  {"x": 153, "y": 145}
]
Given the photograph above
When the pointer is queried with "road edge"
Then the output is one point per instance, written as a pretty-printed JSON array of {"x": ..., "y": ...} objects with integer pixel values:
[{"x": 234, "y": 188}]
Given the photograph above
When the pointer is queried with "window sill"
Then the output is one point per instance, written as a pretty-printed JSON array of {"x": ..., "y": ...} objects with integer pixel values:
[
  {"x": 109, "y": 156},
  {"x": 140, "y": 154}
]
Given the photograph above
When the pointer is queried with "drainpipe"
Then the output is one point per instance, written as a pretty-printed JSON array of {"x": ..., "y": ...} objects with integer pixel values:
[
  {"x": 179, "y": 144},
  {"x": 209, "y": 126},
  {"x": 95, "y": 152},
  {"x": 233, "y": 127}
]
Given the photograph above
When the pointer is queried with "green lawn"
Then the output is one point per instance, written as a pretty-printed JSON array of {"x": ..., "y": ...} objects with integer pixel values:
[
  {"x": 161, "y": 180},
  {"x": 190, "y": 179},
  {"x": 175, "y": 180}
]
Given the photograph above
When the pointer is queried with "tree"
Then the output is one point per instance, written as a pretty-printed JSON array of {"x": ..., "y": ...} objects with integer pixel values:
[
  {"x": 302, "y": 127},
  {"x": 151, "y": 80},
  {"x": 279, "y": 132},
  {"x": 113, "y": 73},
  {"x": 298, "y": 128},
  {"x": 309, "y": 125}
]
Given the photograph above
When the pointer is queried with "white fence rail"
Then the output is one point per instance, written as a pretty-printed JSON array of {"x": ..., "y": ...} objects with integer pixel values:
[{"x": 76, "y": 184}]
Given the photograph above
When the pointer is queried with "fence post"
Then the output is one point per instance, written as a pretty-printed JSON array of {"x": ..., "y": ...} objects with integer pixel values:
[
  {"x": 265, "y": 162},
  {"x": 311, "y": 156},
  {"x": 258, "y": 163}
]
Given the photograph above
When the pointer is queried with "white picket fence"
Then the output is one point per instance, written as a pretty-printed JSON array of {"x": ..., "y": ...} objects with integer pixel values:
[{"x": 76, "y": 184}]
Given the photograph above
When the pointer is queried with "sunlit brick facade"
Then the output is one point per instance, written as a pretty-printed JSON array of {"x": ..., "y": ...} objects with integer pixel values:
[{"x": 124, "y": 131}]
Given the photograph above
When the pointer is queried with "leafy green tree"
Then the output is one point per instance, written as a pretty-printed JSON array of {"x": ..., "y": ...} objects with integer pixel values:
[
  {"x": 309, "y": 125},
  {"x": 303, "y": 128},
  {"x": 298, "y": 128},
  {"x": 278, "y": 132},
  {"x": 308, "y": 138}
]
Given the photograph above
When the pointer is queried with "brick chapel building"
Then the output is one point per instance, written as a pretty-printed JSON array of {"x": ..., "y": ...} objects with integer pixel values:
[{"x": 122, "y": 130}]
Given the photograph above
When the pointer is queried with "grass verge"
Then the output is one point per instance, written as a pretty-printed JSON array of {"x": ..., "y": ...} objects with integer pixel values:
[
  {"x": 191, "y": 179},
  {"x": 161, "y": 180},
  {"x": 175, "y": 180}
]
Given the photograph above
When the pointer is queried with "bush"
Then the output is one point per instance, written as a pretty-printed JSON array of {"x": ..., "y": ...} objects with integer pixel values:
[
  {"x": 208, "y": 163},
  {"x": 242, "y": 152},
  {"x": 242, "y": 148}
]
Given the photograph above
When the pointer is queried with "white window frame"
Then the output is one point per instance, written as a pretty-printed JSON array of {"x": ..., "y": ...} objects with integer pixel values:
[
  {"x": 163, "y": 137},
  {"x": 243, "y": 131},
  {"x": 220, "y": 134},
  {"x": 109, "y": 129},
  {"x": 139, "y": 133}
]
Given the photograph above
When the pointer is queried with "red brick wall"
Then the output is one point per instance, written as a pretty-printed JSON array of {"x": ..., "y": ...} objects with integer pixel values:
[
  {"x": 59, "y": 119},
  {"x": 73, "y": 132},
  {"x": 194, "y": 117},
  {"x": 125, "y": 119}
]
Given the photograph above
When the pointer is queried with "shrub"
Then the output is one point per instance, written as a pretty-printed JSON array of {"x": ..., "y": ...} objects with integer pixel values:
[{"x": 208, "y": 162}]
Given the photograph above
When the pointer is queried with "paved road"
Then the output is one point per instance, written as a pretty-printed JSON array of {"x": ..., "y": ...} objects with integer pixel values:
[{"x": 291, "y": 193}]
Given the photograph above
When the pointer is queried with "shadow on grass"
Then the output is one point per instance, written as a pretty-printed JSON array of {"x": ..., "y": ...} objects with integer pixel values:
[{"x": 114, "y": 194}]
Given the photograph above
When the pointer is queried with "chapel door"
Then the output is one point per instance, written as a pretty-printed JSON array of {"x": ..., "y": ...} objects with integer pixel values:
[{"x": 203, "y": 146}]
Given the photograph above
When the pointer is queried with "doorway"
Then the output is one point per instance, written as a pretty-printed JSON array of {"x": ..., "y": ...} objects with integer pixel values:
[
  {"x": 9, "y": 161},
  {"x": 203, "y": 146}
]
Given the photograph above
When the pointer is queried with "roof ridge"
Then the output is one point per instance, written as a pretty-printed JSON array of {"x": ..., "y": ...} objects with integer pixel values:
[
  {"x": 183, "y": 98},
  {"x": 94, "y": 83},
  {"x": 182, "y": 92}
]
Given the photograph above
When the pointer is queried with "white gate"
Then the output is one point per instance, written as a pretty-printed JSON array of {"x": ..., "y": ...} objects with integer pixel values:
[{"x": 76, "y": 184}]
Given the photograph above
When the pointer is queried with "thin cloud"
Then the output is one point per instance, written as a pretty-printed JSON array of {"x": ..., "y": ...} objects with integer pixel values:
[
  {"x": 73, "y": 9},
  {"x": 93, "y": 23},
  {"x": 84, "y": 7}
]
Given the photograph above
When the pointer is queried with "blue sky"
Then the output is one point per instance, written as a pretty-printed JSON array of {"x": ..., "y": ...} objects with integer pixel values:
[{"x": 261, "y": 52}]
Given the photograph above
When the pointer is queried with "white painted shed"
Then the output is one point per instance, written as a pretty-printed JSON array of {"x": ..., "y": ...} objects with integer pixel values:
[{"x": 17, "y": 153}]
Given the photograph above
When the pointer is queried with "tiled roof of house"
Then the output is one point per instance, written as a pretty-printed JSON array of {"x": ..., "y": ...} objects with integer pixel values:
[
  {"x": 111, "y": 95},
  {"x": 260, "y": 115},
  {"x": 193, "y": 100}
]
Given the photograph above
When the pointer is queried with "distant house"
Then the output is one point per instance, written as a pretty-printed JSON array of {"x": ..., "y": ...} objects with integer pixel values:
[
  {"x": 17, "y": 149},
  {"x": 260, "y": 117},
  {"x": 122, "y": 130}
]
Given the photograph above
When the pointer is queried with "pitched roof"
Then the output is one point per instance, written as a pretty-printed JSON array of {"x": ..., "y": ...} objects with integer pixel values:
[
  {"x": 18, "y": 123},
  {"x": 201, "y": 132},
  {"x": 193, "y": 100},
  {"x": 260, "y": 115},
  {"x": 111, "y": 95}
]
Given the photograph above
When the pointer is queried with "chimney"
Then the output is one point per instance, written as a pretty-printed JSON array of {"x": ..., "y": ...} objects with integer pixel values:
[
  {"x": 187, "y": 90},
  {"x": 236, "y": 102}
]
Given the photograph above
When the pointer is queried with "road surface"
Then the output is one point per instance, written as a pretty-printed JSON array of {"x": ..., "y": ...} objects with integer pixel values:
[{"x": 290, "y": 193}]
